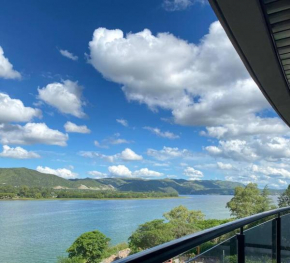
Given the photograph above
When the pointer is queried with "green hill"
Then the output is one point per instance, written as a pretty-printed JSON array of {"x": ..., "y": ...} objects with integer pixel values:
[
  {"x": 24, "y": 176},
  {"x": 183, "y": 187},
  {"x": 28, "y": 177}
]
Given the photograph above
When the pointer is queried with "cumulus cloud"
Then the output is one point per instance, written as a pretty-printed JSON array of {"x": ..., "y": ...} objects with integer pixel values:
[
  {"x": 129, "y": 155},
  {"x": 17, "y": 153},
  {"x": 61, "y": 172},
  {"x": 90, "y": 154},
  {"x": 233, "y": 149},
  {"x": 254, "y": 126},
  {"x": 68, "y": 54},
  {"x": 6, "y": 68},
  {"x": 166, "y": 134},
  {"x": 146, "y": 173},
  {"x": 282, "y": 182},
  {"x": 65, "y": 96},
  {"x": 122, "y": 122},
  {"x": 123, "y": 171},
  {"x": 97, "y": 174},
  {"x": 203, "y": 84},
  {"x": 99, "y": 145},
  {"x": 31, "y": 133},
  {"x": 176, "y": 5},
  {"x": 112, "y": 140},
  {"x": 263, "y": 148},
  {"x": 118, "y": 141},
  {"x": 166, "y": 72},
  {"x": 167, "y": 153},
  {"x": 126, "y": 155},
  {"x": 224, "y": 166},
  {"x": 271, "y": 171},
  {"x": 120, "y": 171},
  {"x": 13, "y": 110},
  {"x": 72, "y": 127},
  {"x": 192, "y": 173}
]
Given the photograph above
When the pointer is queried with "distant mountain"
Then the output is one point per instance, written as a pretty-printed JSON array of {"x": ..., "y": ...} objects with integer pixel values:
[
  {"x": 183, "y": 187},
  {"x": 24, "y": 176},
  {"x": 28, "y": 177}
]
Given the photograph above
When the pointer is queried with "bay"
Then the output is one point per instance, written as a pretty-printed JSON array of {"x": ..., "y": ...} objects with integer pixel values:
[{"x": 41, "y": 231}]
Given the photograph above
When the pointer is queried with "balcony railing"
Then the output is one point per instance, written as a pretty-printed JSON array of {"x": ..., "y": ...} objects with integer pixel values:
[{"x": 251, "y": 241}]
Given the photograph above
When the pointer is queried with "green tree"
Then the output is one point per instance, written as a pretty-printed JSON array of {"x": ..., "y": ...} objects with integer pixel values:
[
  {"x": 249, "y": 201},
  {"x": 182, "y": 214},
  {"x": 180, "y": 222},
  {"x": 183, "y": 220},
  {"x": 284, "y": 198},
  {"x": 151, "y": 234},
  {"x": 89, "y": 246}
]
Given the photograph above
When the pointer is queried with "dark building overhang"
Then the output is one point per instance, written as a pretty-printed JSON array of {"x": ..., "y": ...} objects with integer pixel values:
[{"x": 260, "y": 32}]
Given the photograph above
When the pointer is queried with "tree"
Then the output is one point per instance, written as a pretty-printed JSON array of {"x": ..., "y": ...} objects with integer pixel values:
[
  {"x": 284, "y": 198},
  {"x": 151, "y": 234},
  {"x": 89, "y": 246},
  {"x": 182, "y": 214},
  {"x": 180, "y": 222},
  {"x": 249, "y": 201},
  {"x": 183, "y": 220}
]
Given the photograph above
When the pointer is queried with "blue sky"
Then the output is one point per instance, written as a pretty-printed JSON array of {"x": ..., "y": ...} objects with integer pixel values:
[{"x": 148, "y": 89}]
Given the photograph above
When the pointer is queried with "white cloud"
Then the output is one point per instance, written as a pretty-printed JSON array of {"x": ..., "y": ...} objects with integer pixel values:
[
  {"x": 120, "y": 171},
  {"x": 192, "y": 173},
  {"x": 97, "y": 174},
  {"x": 99, "y": 145},
  {"x": 176, "y": 5},
  {"x": 13, "y": 110},
  {"x": 72, "y": 127},
  {"x": 145, "y": 173},
  {"x": 233, "y": 149},
  {"x": 123, "y": 171},
  {"x": 61, "y": 172},
  {"x": 122, "y": 122},
  {"x": 6, "y": 68},
  {"x": 282, "y": 182},
  {"x": 167, "y": 72},
  {"x": 31, "y": 133},
  {"x": 126, "y": 155},
  {"x": 108, "y": 158},
  {"x": 254, "y": 126},
  {"x": 168, "y": 153},
  {"x": 118, "y": 141},
  {"x": 129, "y": 155},
  {"x": 113, "y": 140},
  {"x": 203, "y": 84},
  {"x": 66, "y": 97},
  {"x": 262, "y": 148},
  {"x": 17, "y": 153},
  {"x": 225, "y": 166},
  {"x": 69, "y": 55},
  {"x": 159, "y": 133},
  {"x": 271, "y": 171}
]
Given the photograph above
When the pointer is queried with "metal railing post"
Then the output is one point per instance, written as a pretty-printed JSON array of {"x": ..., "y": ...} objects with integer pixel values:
[
  {"x": 274, "y": 240},
  {"x": 278, "y": 239},
  {"x": 241, "y": 246}
]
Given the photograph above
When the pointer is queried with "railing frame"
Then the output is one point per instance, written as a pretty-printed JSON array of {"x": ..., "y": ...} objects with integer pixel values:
[{"x": 179, "y": 246}]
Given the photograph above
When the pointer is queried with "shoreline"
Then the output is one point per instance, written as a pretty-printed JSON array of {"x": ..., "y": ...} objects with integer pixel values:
[{"x": 97, "y": 199}]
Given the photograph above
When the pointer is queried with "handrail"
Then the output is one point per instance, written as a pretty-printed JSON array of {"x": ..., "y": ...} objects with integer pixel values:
[{"x": 178, "y": 246}]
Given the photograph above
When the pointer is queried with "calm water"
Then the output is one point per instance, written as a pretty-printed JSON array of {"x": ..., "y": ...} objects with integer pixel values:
[{"x": 40, "y": 231}]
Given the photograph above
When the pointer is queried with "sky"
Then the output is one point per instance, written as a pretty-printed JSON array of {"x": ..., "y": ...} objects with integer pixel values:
[{"x": 123, "y": 88}]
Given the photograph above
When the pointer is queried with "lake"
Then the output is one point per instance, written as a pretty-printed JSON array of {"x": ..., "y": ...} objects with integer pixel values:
[{"x": 40, "y": 231}]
